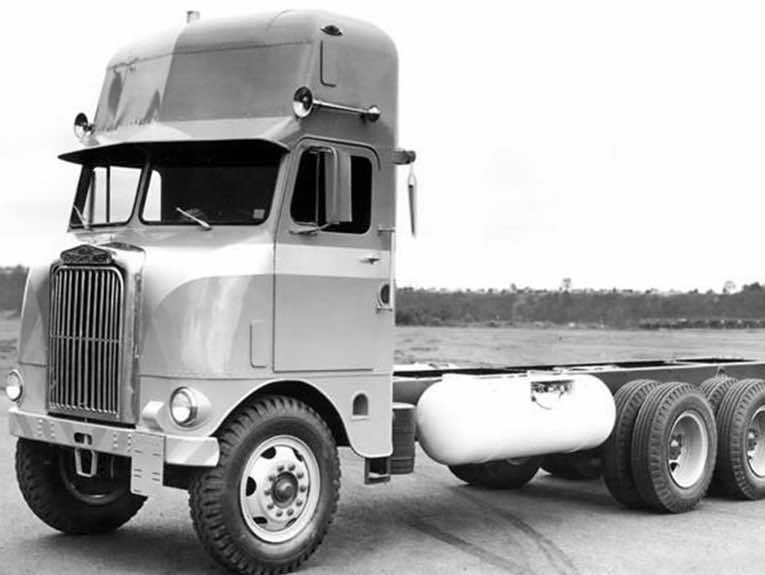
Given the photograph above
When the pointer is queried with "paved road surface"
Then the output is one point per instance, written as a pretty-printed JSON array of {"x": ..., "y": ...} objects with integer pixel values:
[{"x": 425, "y": 523}]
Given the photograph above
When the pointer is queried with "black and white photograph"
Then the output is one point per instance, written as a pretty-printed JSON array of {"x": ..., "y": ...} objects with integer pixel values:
[{"x": 352, "y": 287}]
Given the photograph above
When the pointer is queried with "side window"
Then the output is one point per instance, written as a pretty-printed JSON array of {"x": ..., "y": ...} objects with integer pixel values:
[{"x": 309, "y": 197}]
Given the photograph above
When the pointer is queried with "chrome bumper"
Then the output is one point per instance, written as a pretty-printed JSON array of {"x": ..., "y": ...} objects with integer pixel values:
[{"x": 176, "y": 450}]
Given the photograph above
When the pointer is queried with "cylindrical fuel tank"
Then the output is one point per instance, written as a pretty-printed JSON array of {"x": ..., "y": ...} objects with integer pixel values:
[{"x": 474, "y": 419}]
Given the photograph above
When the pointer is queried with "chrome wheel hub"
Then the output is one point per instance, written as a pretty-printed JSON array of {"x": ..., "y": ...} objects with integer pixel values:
[
  {"x": 755, "y": 446},
  {"x": 279, "y": 488},
  {"x": 688, "y": 449}
]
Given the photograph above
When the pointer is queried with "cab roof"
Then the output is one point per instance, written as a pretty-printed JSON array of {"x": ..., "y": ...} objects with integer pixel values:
[{"x": 235, "y": 78}]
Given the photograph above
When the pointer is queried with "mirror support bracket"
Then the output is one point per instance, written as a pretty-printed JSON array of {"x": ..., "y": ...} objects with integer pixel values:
[{"x": 402, "y": 157}]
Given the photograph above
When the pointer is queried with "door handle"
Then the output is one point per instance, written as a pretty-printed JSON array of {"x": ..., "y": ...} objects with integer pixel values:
[{"x": 370, "y": 259}]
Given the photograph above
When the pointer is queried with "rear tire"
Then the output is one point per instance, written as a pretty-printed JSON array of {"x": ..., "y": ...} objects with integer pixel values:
[
  {"x": 266, "y": 506},
  {"x": 740, "y": 470},
  {"x": 673, "y": 448},
  {"x": 67, "y": 502},
  {"x": 502, "y": 474},
  {"x": 576, "y": 466},
  {"x": 715, "y": 389},
  {"x": 617, "y": 450}
]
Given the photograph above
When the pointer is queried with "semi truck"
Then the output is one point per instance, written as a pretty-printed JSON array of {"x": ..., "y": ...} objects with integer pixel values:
[{"x": 223, "y": 319}]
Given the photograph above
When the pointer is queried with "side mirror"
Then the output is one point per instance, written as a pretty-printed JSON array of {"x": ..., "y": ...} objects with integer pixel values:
[
  {"x": 337, "y": 185},
  {"x": 403, "y": 157},
  {"x": 411, "y": 186}
]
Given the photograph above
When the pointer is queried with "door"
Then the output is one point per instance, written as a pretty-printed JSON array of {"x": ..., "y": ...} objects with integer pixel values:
[{"x": 333, "y": 282}]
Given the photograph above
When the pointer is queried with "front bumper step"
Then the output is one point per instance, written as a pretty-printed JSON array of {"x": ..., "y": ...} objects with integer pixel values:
[{"x": 148, "y": 450}]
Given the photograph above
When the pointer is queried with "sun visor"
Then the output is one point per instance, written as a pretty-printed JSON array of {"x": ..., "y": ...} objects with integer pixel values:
[{"x": 135, "y": 154}]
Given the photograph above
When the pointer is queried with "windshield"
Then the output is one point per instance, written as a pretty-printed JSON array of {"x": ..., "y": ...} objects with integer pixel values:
[
  {"x": 186, "y": 183},
  {"x": 105, "y": 196}
]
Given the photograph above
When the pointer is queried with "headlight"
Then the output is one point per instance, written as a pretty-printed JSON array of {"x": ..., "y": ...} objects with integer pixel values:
[
  {"x": 14, "y": 385},
  {"x": 183, "y": 406},
  {"x": 189, "y": 407}
]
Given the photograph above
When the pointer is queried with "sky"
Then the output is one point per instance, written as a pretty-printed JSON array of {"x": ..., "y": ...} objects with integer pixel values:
[{"x": 619, "y": 144}]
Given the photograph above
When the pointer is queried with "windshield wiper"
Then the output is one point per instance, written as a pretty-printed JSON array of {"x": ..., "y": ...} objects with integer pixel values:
[
  {"x": 310, "y": 230},
  {"x": 205, "y": 226},
  {"x": 82, "y": 219}
]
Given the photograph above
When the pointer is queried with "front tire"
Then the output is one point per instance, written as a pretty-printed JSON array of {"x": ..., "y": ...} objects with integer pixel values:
[
  {"x": 267, "y": 505},
  {"x": 67, "y": 502}
]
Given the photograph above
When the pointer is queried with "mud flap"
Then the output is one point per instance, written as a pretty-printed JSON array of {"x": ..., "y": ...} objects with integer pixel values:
[{"x": 147, "y": 464}]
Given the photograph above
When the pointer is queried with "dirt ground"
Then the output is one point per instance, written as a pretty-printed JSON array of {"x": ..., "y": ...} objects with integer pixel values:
[{"x": 523, "y": 346}]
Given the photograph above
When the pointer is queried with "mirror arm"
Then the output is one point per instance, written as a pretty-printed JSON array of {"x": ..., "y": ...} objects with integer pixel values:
[{"x": 402, "y": 157}]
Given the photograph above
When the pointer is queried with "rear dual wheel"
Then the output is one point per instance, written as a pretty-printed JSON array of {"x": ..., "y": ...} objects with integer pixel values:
[
  {"x": 715, "y": 389},
  {"x": 674, "y": 445},
  {"x": 740, "y": 470},
  {"x": 617, "y": 450},
  {"x": 661, "y": 452}
]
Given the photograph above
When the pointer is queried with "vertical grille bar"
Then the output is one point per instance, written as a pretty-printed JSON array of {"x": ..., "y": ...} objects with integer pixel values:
[
  {"x": 99, "y": 317},
  {"x": 54, "y": 308},
  {"x": 85, "y": 340}
]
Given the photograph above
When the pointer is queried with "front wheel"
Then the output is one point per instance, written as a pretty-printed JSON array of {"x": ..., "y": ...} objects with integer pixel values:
[
  {"x": 268, "y": 503},
  {"x": 68, "y": 502}
]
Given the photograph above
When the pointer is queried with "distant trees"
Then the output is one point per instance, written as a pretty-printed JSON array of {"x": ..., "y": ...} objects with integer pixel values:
[
  {"x": 12, "y": 282},
  {"x": 614, "y": 308}
]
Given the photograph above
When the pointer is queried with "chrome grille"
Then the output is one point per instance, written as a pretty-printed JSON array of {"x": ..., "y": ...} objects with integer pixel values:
[{"x": 85, "y": 344}]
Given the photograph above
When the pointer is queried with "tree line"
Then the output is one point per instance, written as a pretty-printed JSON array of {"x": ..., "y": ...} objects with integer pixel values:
[
  {"x": 609, "y": 308},
  {"x": 12, "y": 280}
]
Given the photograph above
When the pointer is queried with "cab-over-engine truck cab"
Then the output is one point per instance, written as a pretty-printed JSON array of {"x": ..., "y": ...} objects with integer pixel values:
[{"x": 225, "y": 319}]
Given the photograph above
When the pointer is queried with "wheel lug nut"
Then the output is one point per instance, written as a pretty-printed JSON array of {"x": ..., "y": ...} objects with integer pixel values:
[
  {"x": 299, "y": 502},
  {"x": 303, "y": 488},
  {"x": 280, "y": 468},
  {"x": 290, "y": 512},
  {"x": 271, "y": 478},
  {"x": 300, "y": 475},
  {"x": 267, "y": 492},
  {"x": 270, "y": 506},
  {"x": 279, "y": 513},
  {"x": 291, "y": 467}
]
